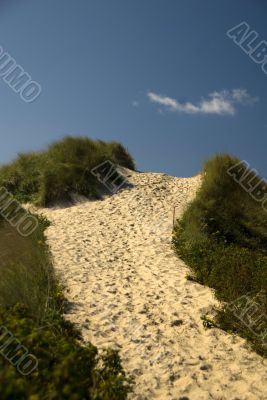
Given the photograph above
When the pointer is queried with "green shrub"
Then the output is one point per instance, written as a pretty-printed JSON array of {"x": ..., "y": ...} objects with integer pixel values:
[
  {"x": 223, "y": 238},
  {"x": 66, "y": 369},
  {"x": 50, "y": 176},
  {"x": 22, "y": 177}
]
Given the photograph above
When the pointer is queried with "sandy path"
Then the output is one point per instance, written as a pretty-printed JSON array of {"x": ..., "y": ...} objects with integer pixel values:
[{"x": 129, "y": 291}]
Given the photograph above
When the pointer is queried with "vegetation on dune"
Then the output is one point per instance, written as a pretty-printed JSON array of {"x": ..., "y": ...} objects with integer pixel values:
[
  {"x": 223, "y": 237},
  {"x": 27, "y": 275},
  {"x": 65, "y": 167},
  {"x": 31, "y": 308}
]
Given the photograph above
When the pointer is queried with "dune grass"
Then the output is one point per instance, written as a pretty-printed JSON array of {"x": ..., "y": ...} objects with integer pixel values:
[
  {"x": 223, "y": 237},
  {"x": 27, "y": 275},
  {"x": 46, "y": 177}
]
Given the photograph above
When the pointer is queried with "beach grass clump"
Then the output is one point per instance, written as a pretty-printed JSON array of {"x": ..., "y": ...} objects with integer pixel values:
[
  {"x": 223, "y": 237},
  {"x": 27, "y": 275},
  {"x": 50, "y": 176}
]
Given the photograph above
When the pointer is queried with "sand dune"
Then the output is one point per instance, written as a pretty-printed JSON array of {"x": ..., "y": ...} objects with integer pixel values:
[{"x": 128, "y": 290}]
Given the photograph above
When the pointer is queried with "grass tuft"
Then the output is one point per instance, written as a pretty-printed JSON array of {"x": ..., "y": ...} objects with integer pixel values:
[{"x": 44, "y": 178}]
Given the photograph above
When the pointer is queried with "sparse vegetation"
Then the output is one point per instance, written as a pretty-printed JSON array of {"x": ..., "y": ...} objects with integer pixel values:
[
  {"x": 50, "y": 176},
  {"x": 223, "y": 238}
]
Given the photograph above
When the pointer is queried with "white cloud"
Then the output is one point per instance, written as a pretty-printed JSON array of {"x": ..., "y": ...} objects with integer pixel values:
[{"x": 219, "y": 103}]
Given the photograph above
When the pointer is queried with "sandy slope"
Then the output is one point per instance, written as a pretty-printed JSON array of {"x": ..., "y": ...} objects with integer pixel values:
[{"x": 128, "y": 290}]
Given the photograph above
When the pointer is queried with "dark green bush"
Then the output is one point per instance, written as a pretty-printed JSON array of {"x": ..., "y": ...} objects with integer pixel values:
[
  {"x": 223, "y": 238},
  {"x": 66, "y": 369},
  {"x": 51, "y": 176}
]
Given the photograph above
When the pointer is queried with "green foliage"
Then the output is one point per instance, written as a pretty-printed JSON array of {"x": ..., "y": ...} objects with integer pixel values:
[
  {"x": 27, "y": 275},
  {"x": 223, "y": 238},
  {"x": 110, "y": 380},
  {"x": 66, "y": 369},
  {"x": 31, "y": 308},
  {"x": 21, "y": 177},
  {"x": 50, "y": 176}
]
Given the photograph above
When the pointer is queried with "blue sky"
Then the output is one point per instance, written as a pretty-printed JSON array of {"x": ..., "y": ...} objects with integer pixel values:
[{"x": 145, "y": 73}]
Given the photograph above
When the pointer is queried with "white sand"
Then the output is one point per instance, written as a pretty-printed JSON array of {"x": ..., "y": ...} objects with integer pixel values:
[{"x": 129, "y": 291}]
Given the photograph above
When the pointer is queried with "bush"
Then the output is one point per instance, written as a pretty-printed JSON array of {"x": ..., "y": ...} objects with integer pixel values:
[
  {"x": 223, "y": 238},
  {"x": 50, "y": 176},
  {"x": 66, "y": 369}
]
